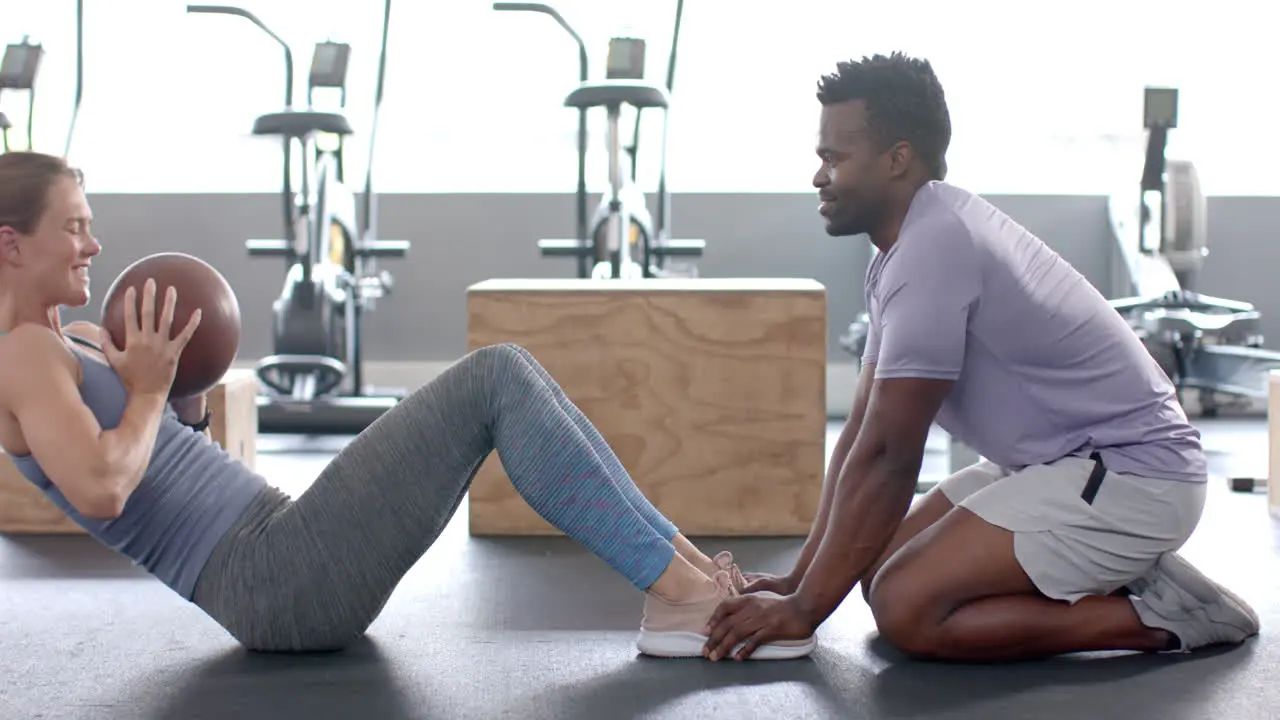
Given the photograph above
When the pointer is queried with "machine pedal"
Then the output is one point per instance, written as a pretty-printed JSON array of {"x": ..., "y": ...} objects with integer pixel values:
[
  {"x": 680, "y": 248},
  {"x": 564, "y": 248},
  {"x": 383, "y": 248},
  {"x": 268, "y": 248}
]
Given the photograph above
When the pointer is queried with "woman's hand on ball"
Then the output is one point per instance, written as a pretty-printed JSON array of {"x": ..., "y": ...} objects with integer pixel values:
[{"x": 149, "y": 360}]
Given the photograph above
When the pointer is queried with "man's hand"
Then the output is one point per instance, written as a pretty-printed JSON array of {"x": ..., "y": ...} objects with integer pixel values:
[{"x": 754, "y": 620}]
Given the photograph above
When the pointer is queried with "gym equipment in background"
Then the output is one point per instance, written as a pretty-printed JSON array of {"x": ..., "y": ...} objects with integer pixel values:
[
  {"x": 1207, "y": 344},
  {"x": 313, "y": 379},
  {"x": 18, "y": 71},
  {"x": 620, "y": 239}
]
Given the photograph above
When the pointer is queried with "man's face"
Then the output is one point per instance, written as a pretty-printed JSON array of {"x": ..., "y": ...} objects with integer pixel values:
[{"x": 854, "y": 174}]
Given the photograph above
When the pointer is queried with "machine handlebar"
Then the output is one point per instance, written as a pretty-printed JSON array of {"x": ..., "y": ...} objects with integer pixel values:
[
  {"x": 525, "y": 7},
  {"x": 369, "y": 197},
  {"x": 75, "y": 108},
  {"x": 241, "y": 12},
  {"x": 583, "y": 74}
]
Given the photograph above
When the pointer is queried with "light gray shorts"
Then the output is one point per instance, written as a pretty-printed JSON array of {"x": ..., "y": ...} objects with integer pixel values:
[{"x": 1075, "y": 538}]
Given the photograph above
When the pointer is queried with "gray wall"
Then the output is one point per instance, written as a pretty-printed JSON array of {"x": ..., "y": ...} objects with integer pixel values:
[{"x": 462, "y": 239}]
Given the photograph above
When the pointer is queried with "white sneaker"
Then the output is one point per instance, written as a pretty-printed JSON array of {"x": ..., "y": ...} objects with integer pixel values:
[
  {"x": 1178, "y": 598},
  {"x": 675, "y": 630}
]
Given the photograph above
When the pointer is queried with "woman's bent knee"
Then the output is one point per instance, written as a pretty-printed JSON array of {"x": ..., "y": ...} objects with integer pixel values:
[
  {"x": 496, "y": 365},
  {"x": 500, "y": 352}
]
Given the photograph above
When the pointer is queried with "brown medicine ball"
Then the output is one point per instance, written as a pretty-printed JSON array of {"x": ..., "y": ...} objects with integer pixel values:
[{"x": 213, "y": 347}]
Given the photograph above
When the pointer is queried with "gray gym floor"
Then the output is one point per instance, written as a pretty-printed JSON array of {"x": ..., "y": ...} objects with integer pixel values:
[{"x": 529, "y": 629}]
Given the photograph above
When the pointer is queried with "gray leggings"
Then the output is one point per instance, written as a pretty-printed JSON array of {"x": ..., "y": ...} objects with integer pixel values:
[{"x": 313, "y": 574}]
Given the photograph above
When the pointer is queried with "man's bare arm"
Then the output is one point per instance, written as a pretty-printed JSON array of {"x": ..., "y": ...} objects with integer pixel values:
[
  {"x": 874, "y": 490},
  {"x": 839, "y": 457}
]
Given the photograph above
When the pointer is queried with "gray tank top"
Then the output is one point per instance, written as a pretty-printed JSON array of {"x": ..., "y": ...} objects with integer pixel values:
[{"x": 192, "y": 493}]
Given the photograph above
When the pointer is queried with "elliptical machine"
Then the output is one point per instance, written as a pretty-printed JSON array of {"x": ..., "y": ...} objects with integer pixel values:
[
  {"x": 1208, "y": 344},
  {"x": 314, "y": 377},
  {"x": 18, "y": 71},
  {"x": 620, "y": 239}
]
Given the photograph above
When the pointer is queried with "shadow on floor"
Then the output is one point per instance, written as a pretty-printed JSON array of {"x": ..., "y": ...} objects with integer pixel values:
[
  {"x": 63, "y": 557},
  {"x": 246, "y": 685},
  {"x": 845, "y": 686},
  {"x": 909, "y": 689}
]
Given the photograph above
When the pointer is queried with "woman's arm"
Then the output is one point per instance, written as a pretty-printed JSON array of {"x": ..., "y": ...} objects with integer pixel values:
[
  {"x": 189, "y": 410},
  {"x": 97, "y": 470}
]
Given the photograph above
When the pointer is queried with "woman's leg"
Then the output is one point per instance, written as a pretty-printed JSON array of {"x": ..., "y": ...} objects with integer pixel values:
[
  {"x": 316, "y": 573},
  {"x": 620, "y": 476}
]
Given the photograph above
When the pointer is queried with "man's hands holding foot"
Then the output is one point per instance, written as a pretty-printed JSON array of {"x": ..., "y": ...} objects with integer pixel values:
[{"x": 753, "y": 620}]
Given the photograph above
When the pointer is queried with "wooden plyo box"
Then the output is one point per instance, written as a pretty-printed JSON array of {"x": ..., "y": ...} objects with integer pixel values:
[
  {"x": 234, "y": 421},
  {"x": 712, "y": 393},
  {"x": 1273, "y": 442},
  {"x": 234, "y": 426}
]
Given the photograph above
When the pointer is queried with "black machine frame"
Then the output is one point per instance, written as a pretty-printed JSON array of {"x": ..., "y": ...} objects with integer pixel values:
[
  {"x": 593, "y": 229},
  {"x": 314, "y": 380}
]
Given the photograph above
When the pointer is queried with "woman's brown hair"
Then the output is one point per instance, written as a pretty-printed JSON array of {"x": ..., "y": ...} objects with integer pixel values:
[{"x": 25, "y": 179}]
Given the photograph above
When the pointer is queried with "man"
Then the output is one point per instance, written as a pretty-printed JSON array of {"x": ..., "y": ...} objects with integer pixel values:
[{"x": 1063, "y": 541}]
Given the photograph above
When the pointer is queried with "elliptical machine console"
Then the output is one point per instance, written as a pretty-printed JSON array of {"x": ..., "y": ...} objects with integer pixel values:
[
  {"x": 314, "y": 376},
  {"x": 19, "y": 69}
]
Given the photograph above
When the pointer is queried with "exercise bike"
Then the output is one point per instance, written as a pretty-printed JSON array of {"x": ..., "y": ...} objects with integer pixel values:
[
  {"x": 18, "y": 71},
  {"x": 1207, "y": 344},
  {"x": 313, "y": 380},
  {"x": 620, "y": 239}
]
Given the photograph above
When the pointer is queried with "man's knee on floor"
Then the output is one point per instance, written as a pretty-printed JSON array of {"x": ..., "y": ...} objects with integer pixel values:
[
  {"x": 868, "y": 580},
  {"x": 904, "y": 613}
]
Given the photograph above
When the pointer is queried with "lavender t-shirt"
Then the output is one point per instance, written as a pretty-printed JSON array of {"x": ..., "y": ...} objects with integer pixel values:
[{"x": 1043, "y": 366}]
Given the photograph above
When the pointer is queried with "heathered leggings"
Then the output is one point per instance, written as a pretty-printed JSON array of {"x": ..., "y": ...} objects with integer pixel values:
[{"x": 313, "y": 574}]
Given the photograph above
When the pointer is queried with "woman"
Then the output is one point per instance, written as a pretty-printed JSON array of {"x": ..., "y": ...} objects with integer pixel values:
[{"x": 92, "y": 428}]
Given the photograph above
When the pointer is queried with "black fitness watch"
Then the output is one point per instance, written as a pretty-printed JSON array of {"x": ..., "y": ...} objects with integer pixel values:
[{"x": 204, "y": 421}]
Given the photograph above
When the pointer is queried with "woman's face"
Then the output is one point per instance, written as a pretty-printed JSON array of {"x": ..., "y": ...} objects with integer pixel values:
[{"x": 53, "y": 262}]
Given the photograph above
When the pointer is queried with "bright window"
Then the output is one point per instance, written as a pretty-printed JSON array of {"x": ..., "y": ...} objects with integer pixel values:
[{"x": 1042, "y": 101}]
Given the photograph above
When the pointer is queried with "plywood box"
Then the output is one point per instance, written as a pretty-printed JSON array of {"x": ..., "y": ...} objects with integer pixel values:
[
  {"x": 234, "y": 422},
  {"x": 1273, "y": 442},
  {"x": 712, "y": 393},
  {"x": 234, "y": 426}
]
